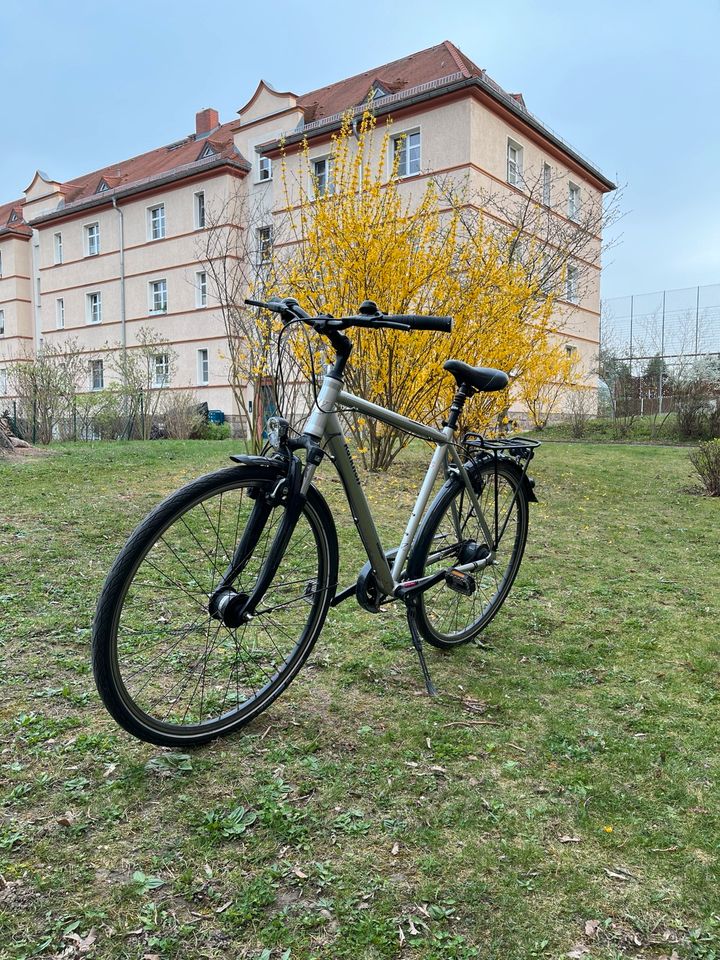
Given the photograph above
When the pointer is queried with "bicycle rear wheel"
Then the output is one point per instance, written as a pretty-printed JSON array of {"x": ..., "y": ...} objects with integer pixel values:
[
  {"x": 446, "y": 618},
  {"x": 167, "y": 670}
]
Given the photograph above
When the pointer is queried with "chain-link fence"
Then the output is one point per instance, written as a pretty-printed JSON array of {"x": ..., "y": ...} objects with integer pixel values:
[{"x": 654, "y": 345}]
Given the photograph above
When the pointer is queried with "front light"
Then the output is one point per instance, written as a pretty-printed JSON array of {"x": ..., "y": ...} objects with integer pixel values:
[{"x": 277, "y": 430}]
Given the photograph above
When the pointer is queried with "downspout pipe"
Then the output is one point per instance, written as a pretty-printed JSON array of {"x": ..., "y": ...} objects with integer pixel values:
[{"x": 123, "y": 334}]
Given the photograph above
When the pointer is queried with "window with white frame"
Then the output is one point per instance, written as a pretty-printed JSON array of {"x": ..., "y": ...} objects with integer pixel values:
[
  {"x": 60, "y": 313},
  {"x": 546, "y": 184},
  {"x": 57, "y": 245},
  {"x": 92, "y": 239},
  {"x": 406, "y": 153},
  {"x": 1, "y": 264},
  {"x": 200, "y": 209},
  {"x": 571, "y": 284},
  {"x": 161, "y": 372},
  {"x": 93, "y": 307},
  {"x": 2, "y": 323},
  {"x": 573, "y": 201},
  {"x": 201, "y": 288},
  {"x": 156, "y": 222},
  {"x": 514, "y": 163},
  {"x": 323, "y": 175},
  {"x": 97, "y": 375},
  {"x": 264, "y": 168},
  {"x": 3, "y": 382},
  {"x": 264, "y": 241},
  {"x": 203, "y": 367},
  {"x": 158, "y": 296}
]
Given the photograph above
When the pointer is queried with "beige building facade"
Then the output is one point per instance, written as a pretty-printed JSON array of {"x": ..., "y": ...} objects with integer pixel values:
[{"x": 100, "y": 258}]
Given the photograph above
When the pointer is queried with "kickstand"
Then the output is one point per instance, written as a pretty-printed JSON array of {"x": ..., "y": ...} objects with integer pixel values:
[{"x": 417, "y": 643}]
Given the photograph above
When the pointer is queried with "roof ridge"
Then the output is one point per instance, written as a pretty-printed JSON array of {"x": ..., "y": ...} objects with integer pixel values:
[{"x": 457, "y": 57}]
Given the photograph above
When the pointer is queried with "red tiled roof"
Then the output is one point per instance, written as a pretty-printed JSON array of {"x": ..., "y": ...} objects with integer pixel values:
[
  {"x": 16, "y": 225},
  {"x": 156, "y": 162},
  {"x": 426, "y": 65}
]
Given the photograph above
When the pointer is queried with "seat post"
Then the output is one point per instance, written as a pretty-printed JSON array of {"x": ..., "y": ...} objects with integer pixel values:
[{"x": 461, "y": 395}]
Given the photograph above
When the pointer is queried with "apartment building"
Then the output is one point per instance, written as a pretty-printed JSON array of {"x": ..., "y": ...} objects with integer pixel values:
[{"x": 99, "y": 257}]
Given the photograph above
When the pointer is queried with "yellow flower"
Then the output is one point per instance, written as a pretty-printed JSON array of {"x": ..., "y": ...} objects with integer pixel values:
[{"x": 608, "y": 829}]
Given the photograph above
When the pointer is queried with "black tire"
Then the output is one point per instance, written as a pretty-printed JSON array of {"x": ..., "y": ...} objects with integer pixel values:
[
  {"x": 446, "y": 618},
  {"x": 152, "y": 616}
]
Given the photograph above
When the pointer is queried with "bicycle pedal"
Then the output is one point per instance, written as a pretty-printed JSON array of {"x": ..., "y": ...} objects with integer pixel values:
[{"x": 460, "y": 582}]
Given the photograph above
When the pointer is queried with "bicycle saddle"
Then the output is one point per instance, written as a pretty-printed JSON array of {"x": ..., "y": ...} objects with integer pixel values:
[{"x": 481, "y": 379}]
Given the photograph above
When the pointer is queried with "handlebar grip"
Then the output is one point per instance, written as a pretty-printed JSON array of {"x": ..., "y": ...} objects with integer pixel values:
[{"x": 439, "y": 324}]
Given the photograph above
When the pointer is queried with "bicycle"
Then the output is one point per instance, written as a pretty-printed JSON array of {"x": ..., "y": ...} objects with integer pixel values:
[{"x": 216, "y": 600}]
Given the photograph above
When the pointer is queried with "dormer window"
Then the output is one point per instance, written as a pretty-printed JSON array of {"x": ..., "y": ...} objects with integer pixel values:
[
  {"x": 13, "y": 218},
  {"x": 376, "y": 91},
  {"x": 102, "y": 187},
  {"x": 207, "y": 151}
]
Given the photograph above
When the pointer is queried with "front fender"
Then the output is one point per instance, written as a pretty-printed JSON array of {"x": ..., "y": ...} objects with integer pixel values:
[{"x": 277, "y": 465}]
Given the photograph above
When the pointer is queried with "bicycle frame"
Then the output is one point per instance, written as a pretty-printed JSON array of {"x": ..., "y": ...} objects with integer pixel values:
[{"x": 324, "y": 423}]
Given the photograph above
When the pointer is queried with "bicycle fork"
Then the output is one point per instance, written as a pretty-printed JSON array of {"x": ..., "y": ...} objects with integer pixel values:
[{"x": 235, "y": 608}]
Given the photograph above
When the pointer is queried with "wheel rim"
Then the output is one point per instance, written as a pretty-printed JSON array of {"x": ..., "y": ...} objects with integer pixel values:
[
  {"x": 452, "y": 616},
  {"x": 177, "y": 668}
]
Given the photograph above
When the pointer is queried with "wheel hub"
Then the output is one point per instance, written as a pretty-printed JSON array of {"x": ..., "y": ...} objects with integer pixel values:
[
  {"x": 471, "y": 552},
  {"x": 228, "y": 607}
]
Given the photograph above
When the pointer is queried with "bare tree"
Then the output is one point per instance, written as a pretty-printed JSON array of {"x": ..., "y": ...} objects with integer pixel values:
[
  {"x": 144, "y": 372},
  {"x": 238, "y": 255},
  {"x": 556, "y": 236},
  {"x": 47, "y": 384}
]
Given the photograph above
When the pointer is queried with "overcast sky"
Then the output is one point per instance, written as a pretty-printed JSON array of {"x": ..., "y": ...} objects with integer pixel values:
[{"x": 633, "y": 85}]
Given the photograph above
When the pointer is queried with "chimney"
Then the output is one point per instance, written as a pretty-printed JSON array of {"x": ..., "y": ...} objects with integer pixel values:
[{"x": 205, "y": 121}]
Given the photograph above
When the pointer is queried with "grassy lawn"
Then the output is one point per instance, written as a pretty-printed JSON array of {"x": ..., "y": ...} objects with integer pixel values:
[{"x": 559, "y": 798}]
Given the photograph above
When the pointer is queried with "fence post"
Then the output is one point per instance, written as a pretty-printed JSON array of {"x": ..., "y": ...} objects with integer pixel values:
[{"x": 662, "y": 357}]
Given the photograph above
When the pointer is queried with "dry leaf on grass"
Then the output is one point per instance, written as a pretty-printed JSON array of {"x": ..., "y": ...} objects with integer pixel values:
[{"x": 579, "y": 950}]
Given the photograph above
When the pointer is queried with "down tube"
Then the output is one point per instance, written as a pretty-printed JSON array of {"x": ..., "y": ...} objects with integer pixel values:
[{"x": 358, "y": 503}]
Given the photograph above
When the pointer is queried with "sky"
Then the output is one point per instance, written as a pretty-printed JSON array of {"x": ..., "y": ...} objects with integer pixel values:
[{"x": 633, "y": 85}]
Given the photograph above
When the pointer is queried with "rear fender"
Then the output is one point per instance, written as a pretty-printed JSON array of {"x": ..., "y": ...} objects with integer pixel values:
[{"x": 512, "y": 466}]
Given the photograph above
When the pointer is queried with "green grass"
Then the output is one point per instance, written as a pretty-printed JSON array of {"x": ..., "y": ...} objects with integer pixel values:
[
  {"x": 560, "y": 795},
  {"x": 649, "y": 429}
]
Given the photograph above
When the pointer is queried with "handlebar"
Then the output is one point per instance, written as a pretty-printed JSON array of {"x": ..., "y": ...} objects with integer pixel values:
[{"x": 368, "y": 317}]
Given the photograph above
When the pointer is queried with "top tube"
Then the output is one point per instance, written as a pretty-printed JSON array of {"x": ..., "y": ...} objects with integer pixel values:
[{"x": 393, "y": 419}]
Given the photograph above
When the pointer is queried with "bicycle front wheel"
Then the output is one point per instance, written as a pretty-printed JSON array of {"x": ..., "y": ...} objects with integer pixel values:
[
  {"x": 450, "y": 535},
  {"x": 168, "y": 671}
]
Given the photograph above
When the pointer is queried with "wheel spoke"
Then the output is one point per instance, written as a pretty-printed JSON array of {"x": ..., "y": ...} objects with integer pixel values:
[
  {"x": 453, "y": 616},
  {"x": 179, "y": 668}
]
